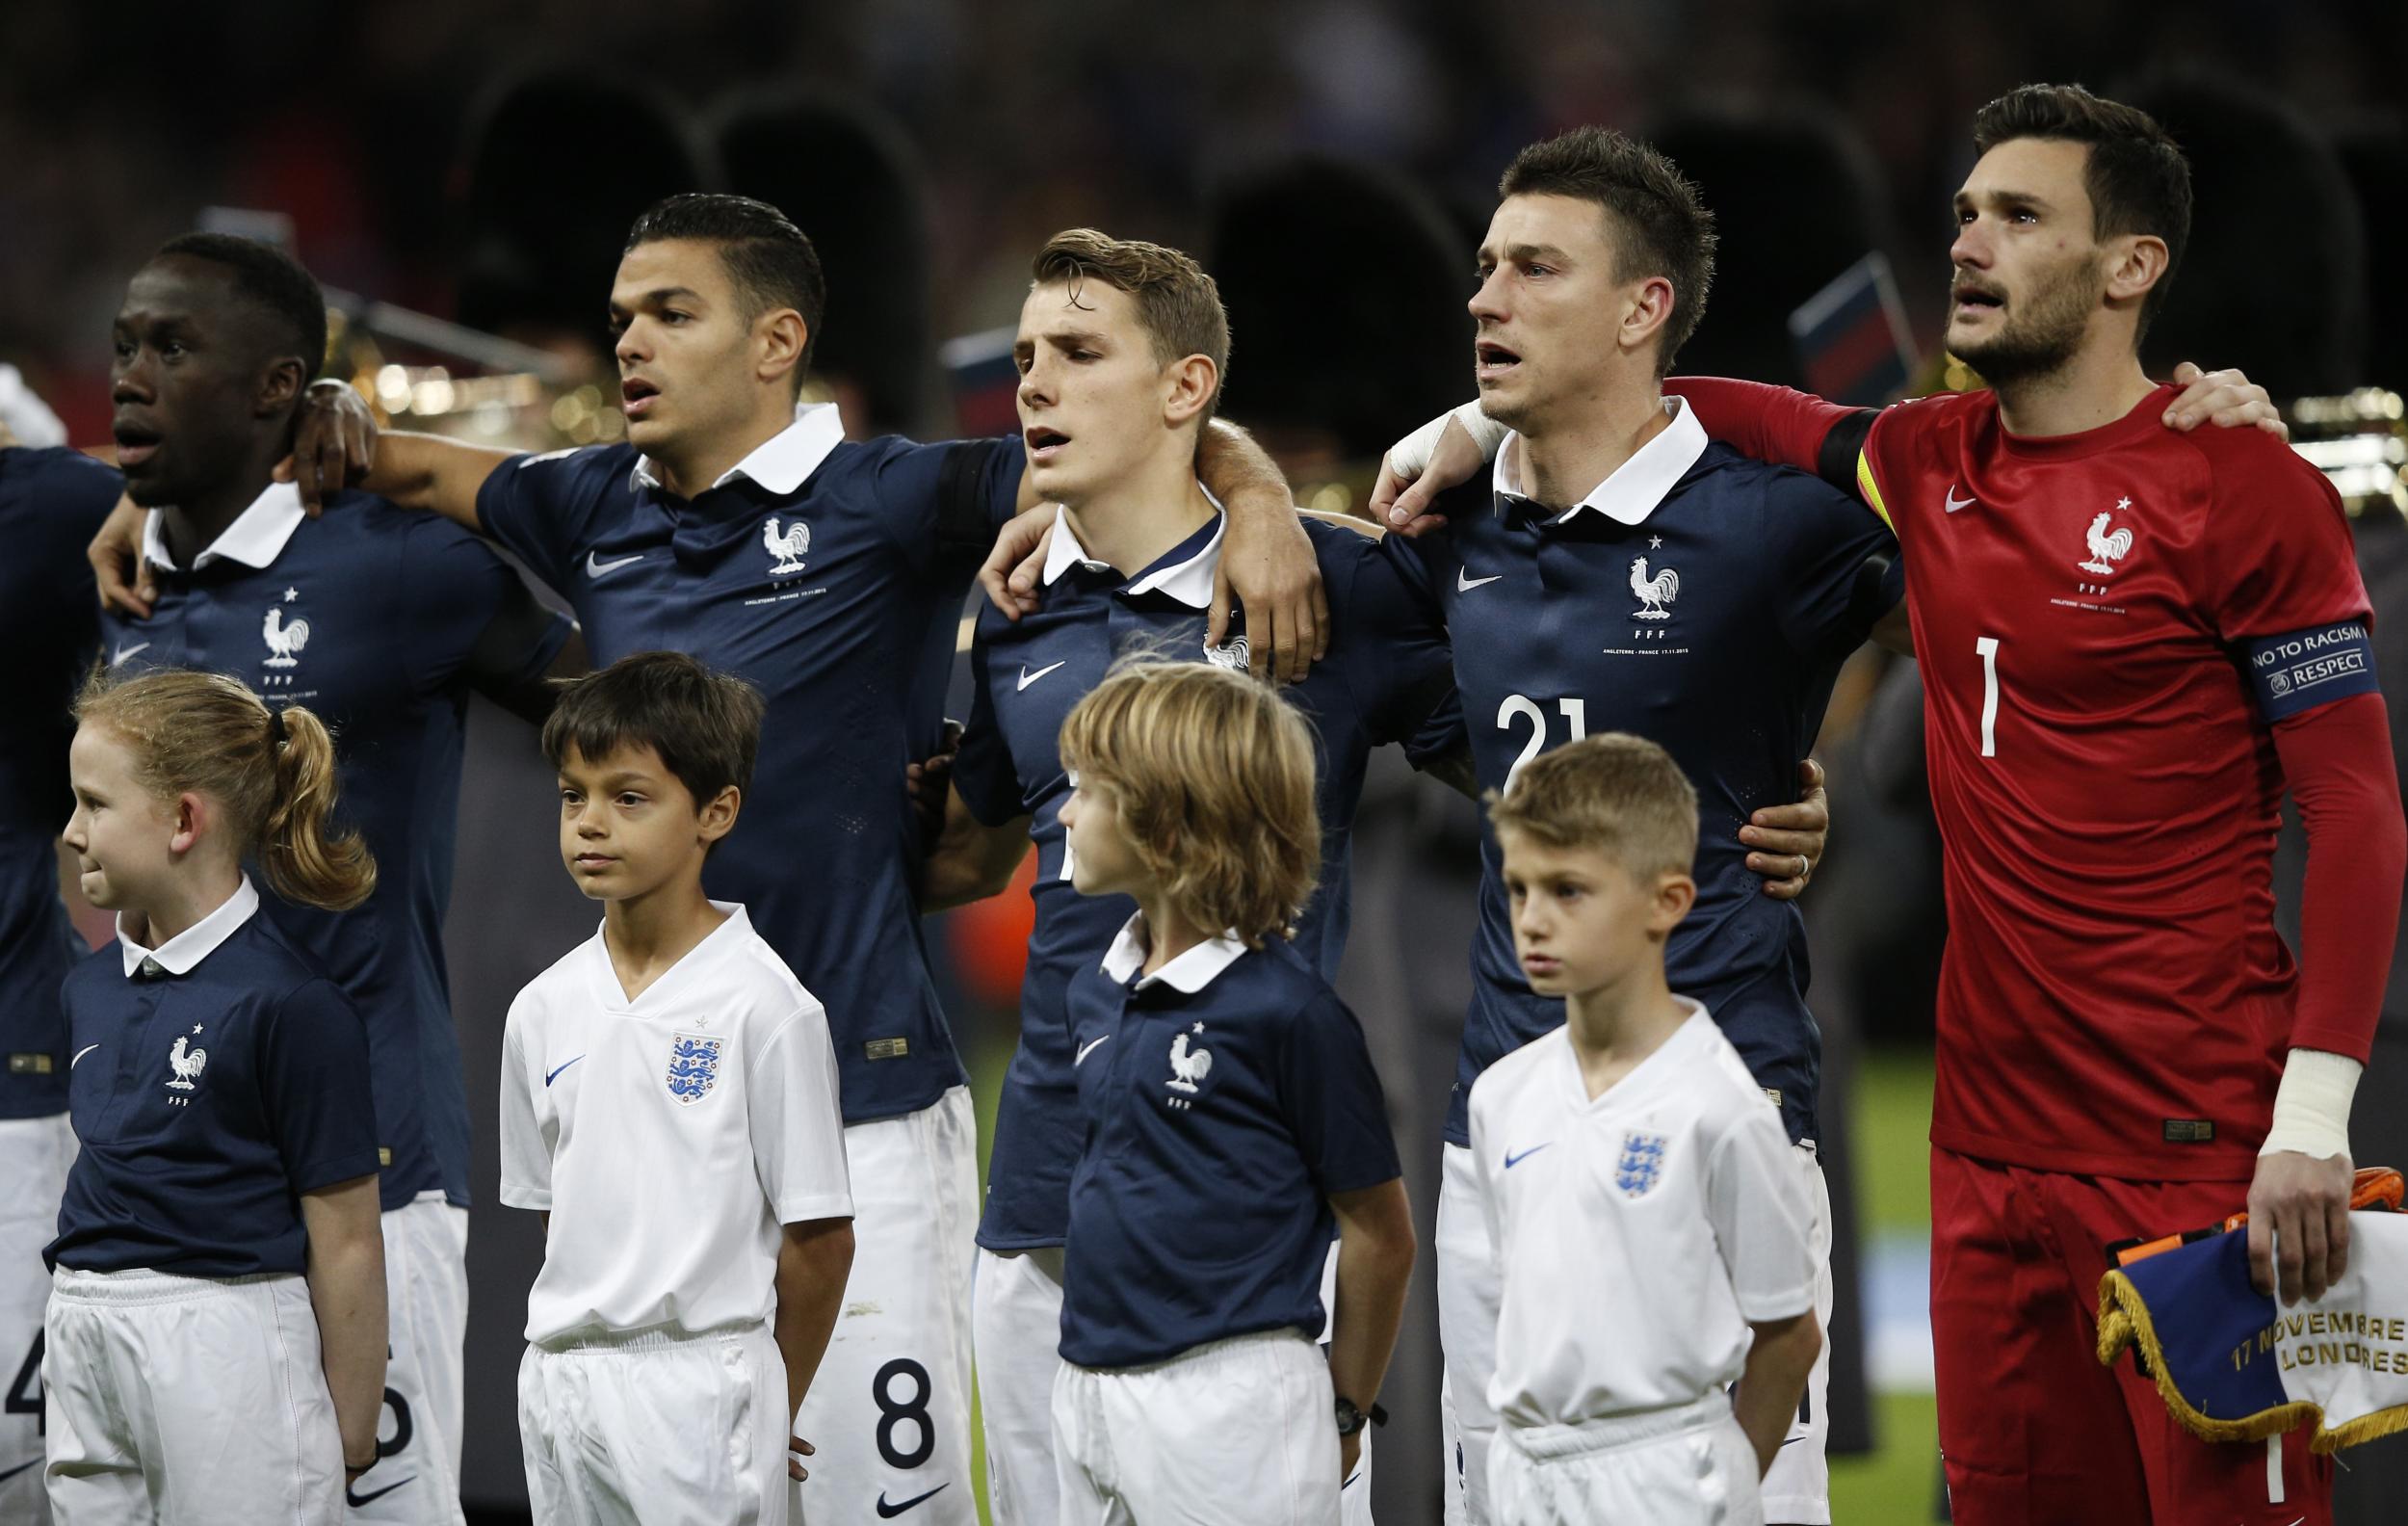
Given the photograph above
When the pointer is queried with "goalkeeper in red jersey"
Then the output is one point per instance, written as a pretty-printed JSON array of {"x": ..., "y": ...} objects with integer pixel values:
[{"x": 2133, "y": 641}]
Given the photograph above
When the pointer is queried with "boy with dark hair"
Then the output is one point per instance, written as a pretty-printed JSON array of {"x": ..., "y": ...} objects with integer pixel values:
[{"x": 697, "y": 1224}]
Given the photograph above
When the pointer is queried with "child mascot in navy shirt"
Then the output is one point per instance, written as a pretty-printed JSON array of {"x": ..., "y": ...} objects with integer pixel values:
[
  {"x": 216, "y": 1335},
  {"x": 1234, "y": 1125}
]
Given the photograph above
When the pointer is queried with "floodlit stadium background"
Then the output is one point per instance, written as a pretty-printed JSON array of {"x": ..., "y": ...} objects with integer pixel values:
[{"x": 447, "y": 163}]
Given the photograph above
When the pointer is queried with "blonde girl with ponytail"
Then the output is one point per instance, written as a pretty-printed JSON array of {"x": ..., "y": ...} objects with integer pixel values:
[{"x": 216, "y": 1332}]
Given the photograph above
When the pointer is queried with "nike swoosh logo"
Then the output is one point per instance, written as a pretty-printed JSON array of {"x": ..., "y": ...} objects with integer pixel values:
[
  {"x": 356, "y": 1500},
  {"x": 80, "y": 1053},
  {"x": 1955, "y": 503},
  {"x": 595, "y": 569},
  {"x": 1027, "y": 679},
  {"x": 1464, "y": 584},
  {"x": 886, "y": 1512},
  {"x": 1088, "y": 1048},
  {"x": 123, "y": 653},
  {"x": 19, "y": 1469},
  {"x": 1512, "y": 1160},
  {"x": 558, "y": 1068}
]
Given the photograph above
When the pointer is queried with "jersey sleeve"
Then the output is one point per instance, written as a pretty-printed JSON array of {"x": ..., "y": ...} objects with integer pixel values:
[
  {"x": 313, "y": 1081},
  {"x": 2279, "y": 545},
  {"x": 1485, "y": 1179},
  {"x": 985, "y": 770},
  {"x": 948, "y": 501},
  {"x": 526, "y": 1153},
  {"x": 468, "y": 613},
  {"x": 1399, "y": 666},
  {"x": 797, "y": 1128},
  {"x": 1757, "y": 1206},
  {"x": 548, "y": 508},
  {"x": 1331, "y": 1096},
  {"x": 1840, "y": 569}
]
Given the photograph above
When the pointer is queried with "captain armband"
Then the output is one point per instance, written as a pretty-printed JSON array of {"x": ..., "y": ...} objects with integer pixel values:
[{"x": 2294, "y": 673}]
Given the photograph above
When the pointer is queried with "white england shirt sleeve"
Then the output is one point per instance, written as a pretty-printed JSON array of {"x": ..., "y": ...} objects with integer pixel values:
[
  {"x": 526, "y": 1154},
  {"x": 1757, "y": 1206},
  {"x": 797, "y": 1127},
  {"x": 1491, "y": 1206}
]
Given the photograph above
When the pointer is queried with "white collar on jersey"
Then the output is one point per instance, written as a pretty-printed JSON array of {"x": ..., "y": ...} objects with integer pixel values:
[
  {"x": 179, "y": 953},
  {"x": 1190, "y": 972},
  {"x": 785, "y": 461},
  {"x": 1630, "y": 494},
  {"x": 255, "y": 539},
  {"x": 1190, "y": 582}
]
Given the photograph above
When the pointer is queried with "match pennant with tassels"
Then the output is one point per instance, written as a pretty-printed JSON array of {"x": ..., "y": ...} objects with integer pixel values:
[{"x": 2233, "y": 1365}]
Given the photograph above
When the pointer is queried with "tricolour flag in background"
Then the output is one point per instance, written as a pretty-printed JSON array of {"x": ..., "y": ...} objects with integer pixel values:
[{"x": 1853, "y": 337}]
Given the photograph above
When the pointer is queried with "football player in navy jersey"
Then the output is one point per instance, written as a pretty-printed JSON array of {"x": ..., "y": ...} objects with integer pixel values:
[
  {"x": 51, "y": 501},
  {"x": 1621, "y": 573},
  {"x": 382, "y": 622},
  {"x": 829, "y": 574}
]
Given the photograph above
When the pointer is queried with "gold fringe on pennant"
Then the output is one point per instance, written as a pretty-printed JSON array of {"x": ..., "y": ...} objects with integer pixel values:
[{"x": 2123, "y": 1322}]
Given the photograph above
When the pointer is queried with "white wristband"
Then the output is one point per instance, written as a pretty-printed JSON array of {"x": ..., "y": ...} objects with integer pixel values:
[
  {"x": 2312, "y": 1105},
  {"x": 1409, "y": 457}
]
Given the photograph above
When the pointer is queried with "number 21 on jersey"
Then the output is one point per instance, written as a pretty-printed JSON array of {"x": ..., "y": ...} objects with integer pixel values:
[{"x": 1521, "y": 707}]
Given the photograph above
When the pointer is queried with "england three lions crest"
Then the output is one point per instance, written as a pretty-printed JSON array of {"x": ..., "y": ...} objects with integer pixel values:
[
  {"x": 1641, "y": 1165},
  {"x": 694, "y": 1067}
]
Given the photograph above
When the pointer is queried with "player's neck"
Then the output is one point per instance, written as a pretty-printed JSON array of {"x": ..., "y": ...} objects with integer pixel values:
[
  {"x": 1131, "y": 523},
  {"x": 192, "y": 526},
  {"x": 1615, "y": 1026},
  {"x": 646, "y": 935},
  {"x": 1167, "y": 934},
  {"x": 693, "y": 468},
  {"x": 180, "y": 905},
  {"x": 2100, "y": 384},
  {"x": 1579, "y": 445}
]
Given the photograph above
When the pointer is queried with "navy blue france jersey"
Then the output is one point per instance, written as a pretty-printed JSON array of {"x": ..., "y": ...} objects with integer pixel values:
[
  {"x": 207, "y": 1099},
  {"x": 1387, "y": 678},
  {"x": 828, "y": 575},
  {"x": 374, "y": 619},
  {"x": 52, "y": 503},
  {"x": 1705, "y": 602},
  {"x": 1226, "y": 1097}
]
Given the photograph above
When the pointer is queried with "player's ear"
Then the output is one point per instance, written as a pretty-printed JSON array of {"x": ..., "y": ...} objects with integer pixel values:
[
  {"x": 2135, "y": 262},
  {"x": 1188, "y": 386},
  {"x": 781, "y": 337},
  {"x": 190, "y": 816},
  {"x": 280, "y": 386},
  {"x": 1647, "y": 310},
  {"x": 1675, "y": 894},
  {"x": 717, "y": 817}
]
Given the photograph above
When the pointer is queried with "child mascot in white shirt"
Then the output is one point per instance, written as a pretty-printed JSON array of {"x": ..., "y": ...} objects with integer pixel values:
[{"x": 1650, "y": 1226}]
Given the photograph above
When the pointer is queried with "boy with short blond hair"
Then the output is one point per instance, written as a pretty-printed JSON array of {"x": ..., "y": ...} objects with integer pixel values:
[
  {"x": 1630, "y": 1151},
  {"x": 670, "y": 1104}
]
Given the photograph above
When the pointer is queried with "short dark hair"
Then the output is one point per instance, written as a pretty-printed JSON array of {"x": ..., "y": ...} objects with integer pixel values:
[
  {"x": 1662, "y": 225},
  {"x": 705, "y": 726},
  {"x": 272, "y": 281},
  {"x": 770, "y": 261},
  {"x": 2136, "y": 174},
  {"x": 1178, "y": 306}
]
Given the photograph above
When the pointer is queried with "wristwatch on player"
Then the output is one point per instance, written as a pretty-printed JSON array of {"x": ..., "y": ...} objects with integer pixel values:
[{"x": 1351, "y": 1420}]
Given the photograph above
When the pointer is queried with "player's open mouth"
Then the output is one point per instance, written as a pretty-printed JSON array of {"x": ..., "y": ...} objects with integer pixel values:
[
  {"x": 137, "y": 443},
  {"x": 1044, "y": 444},
  {"x": 1491, "y": 360},
  {"x": 635, "y": 395},
  {"x": 1970, "y": 301}
]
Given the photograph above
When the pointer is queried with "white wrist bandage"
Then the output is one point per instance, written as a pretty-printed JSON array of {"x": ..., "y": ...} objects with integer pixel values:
[
  {"x": 2312, "y": 1105},
  {"x": 1409, "y": 457}
]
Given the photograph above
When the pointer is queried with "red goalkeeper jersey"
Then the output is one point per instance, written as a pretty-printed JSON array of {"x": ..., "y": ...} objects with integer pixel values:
[{"x": 2109, "y": 625}]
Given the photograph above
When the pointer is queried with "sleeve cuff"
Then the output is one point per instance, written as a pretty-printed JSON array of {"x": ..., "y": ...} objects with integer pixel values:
[
  {"x": 519, "y": 1194},
  {"x": 803, "y": 1210}
]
